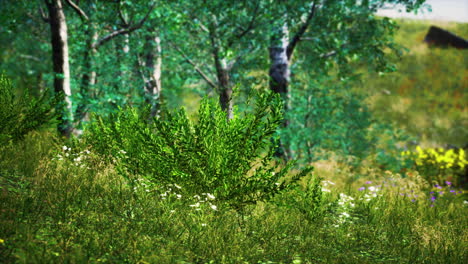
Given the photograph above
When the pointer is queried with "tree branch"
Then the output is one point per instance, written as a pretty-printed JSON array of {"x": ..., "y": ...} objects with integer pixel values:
[
  {"x": 44, "y": 17},
  {"x": 121, "y": 15},
  {"x": 233, "y": 62},
  {"x": 301, "y": 31},
  {"x": 123, "y": 30},
  {"x": 195, "y": 66},
  {"x": 249, "y": 27},
  {"x": 331, "y": 53},
  {"x": 29, "y": 57},
  {"x": 77, "y": 9}
]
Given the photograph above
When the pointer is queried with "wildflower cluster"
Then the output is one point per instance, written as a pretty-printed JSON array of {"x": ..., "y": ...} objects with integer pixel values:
[
  {"x": 415, "y": 195},
  {"x": 371, "y": 191},
  {"x": 346, "y": 204},
  {"x": 438, "y": 164},
  {"x": 172, "y": 192},
  {"x": 205, "y": 198},
  {"x": 438, "y": 192},
  {"x": 77, "y": 158}
]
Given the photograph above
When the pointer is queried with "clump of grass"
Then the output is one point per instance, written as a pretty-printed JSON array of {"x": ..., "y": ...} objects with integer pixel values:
[
  {"x": 85, "y": 211},
  {"x": 425, "y": 96}
]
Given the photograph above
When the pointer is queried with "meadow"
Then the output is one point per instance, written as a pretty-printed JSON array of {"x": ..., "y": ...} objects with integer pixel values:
[{"x": 108, "y": 198}]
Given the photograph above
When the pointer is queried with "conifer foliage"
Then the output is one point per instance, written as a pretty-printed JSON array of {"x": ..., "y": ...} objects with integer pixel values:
[{"x": 231, "y": 159}]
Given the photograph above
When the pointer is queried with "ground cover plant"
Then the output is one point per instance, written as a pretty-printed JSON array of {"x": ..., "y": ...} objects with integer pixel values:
[
  {"x": 375, "y": 181},
  {"x": 73, "y": 205}
]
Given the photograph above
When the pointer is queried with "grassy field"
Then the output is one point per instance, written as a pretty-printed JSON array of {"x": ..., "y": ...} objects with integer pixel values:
[
  {"x": 427, "y": 96},
  {"x": 61, "y": 202}
]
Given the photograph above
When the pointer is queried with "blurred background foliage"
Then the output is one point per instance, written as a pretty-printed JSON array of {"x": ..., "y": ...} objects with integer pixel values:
[{"x": 352, "y": 105}]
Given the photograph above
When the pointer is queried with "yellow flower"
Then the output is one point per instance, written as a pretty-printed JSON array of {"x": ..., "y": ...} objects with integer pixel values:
[
  {"x": 461, "y": 164},
  {"x": 2, "y": 241}
]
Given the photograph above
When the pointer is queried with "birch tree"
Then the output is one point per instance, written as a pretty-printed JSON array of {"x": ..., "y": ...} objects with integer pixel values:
[
  {"x": 337, "y": 34},
  {"x": 96, "y": 36},
  {"x": 227, "y": 32},
  {"x": 61, "y": 66}
]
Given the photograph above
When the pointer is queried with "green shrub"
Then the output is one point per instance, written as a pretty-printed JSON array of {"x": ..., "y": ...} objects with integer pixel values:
[
  {"x": 438, "y": 164},
  {"x": 311, "y": 200},
  {"x": 20, "y": 115},
  {"x": 231, "y": 160}
]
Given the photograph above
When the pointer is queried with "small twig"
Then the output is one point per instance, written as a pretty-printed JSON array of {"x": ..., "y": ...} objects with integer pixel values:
[
  {"x": 195, "y": 66},
  {"x": 77, "y": 9},
  {"x": 123, "y": 30},
  {"x": 29, "y": 57},
  {"x": 249, "y": 27},
  {"x": 301, "y": 31},
  {"x": 44, "y": 17},
  {"x": 121, "y": 15}
]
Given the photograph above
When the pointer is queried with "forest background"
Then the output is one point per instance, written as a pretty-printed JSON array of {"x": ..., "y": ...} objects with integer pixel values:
[{"x": 293, "y": 84}]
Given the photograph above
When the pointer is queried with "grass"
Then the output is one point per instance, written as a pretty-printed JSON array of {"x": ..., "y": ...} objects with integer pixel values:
[
  {"x": 66, "y": 205},
  {"x": 69, "y": 212},
  {"x": 427, "y": 95}
]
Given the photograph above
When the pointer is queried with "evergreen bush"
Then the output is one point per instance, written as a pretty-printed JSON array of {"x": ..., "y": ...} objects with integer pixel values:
[
  {"x": 233, "y": 160},
  {"x": 20, "y": 115}
]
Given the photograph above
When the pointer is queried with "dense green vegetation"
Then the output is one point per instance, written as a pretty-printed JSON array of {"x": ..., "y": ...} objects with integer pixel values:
[{"x": 165, "y": 178}]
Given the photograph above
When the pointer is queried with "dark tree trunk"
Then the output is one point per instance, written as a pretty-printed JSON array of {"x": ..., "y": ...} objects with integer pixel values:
[
  {"x": 225, "y": 88},
  {"x": 58, "y": 28}
]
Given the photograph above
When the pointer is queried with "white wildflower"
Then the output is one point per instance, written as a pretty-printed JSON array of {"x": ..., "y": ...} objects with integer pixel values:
[
  {"x": 210, "y": 196},
  {"x": 195, "y": 205},
  {"x": 326, "y": 183},
  {"x": 214, "y": 207}
]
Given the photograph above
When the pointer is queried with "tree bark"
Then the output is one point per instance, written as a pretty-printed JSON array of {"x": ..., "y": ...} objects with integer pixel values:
[
  {"x": 281, "y": 51},
  {"x": 222, "y": 73},
  {"x": 59, "y": 40},
  {"x": 225, "y": 88},
  {"x": 280, "y": 76},
  {"x": 153, "y": 65},
  {"x": 89, "y": 77}
]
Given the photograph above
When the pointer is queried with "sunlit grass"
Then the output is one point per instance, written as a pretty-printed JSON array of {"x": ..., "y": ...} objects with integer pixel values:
[
  {"x": 427, "y": 95},
  {"x": 66, "y": 212}
]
